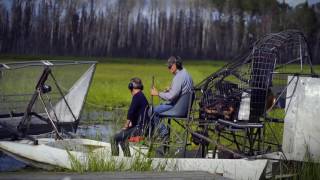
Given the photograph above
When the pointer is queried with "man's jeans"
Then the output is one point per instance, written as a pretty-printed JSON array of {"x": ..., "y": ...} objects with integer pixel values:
[
  {"x": 163, "y": 131},
  {"x": 122, "y": 139}
]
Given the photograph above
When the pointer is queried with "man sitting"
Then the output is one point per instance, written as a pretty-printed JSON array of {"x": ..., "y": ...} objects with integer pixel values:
[
  {"x": 137, "y": 107},
  {"x": 181, "y": 84}
]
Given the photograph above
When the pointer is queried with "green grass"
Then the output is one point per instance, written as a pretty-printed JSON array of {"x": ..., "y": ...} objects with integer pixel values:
[
  {"x": 309, "y": 168},
  {"x": 109, "y": 87},
  {"x": 94, "y": 162},
  {"x": 102, "y": 161}
]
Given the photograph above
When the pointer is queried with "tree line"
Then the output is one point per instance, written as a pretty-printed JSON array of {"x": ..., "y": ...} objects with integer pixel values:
[{"x": 198, "y": 29}]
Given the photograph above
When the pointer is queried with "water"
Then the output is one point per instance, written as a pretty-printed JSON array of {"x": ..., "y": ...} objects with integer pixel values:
[
  {"x": 8, "y": 163},
  {"x": 102, "y": 131}
]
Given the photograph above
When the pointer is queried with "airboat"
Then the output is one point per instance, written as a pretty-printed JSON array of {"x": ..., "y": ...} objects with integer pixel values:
[
  {"x": 261, "y": 107},
  {"x": 264, "y": 102},
  {"x": 42, "y": 96}
]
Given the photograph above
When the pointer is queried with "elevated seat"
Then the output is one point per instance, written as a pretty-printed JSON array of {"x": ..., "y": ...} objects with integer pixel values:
[
  {"x": 180, "y": 113},
  {"x": 181, "y": 109}
]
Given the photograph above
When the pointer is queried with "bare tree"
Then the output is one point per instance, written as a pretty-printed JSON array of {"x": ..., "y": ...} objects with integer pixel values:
[{"x": 216, "y": 29}]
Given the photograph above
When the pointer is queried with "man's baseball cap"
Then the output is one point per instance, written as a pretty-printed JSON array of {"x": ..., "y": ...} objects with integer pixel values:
[{"x": 173, "y": 60}]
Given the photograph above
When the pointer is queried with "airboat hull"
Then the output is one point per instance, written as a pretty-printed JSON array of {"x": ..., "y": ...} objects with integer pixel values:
[
  {"x": 49, "y": 154},
  {"x": 36, "y": 127}
]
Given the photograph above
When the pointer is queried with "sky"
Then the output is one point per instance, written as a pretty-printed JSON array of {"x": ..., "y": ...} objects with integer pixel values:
[{"x": 296, "y": 2}]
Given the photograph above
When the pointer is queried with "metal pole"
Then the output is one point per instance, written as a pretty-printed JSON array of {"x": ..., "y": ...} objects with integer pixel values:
[
  {"x": 50, "y": 119},
  {"x": 152, "y": 86},
  {"x": 63, "y": 96},
  {"x": 151, "y": 111}
]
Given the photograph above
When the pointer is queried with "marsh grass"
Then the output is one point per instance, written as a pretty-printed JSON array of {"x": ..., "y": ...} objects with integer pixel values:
[
  {"x": 98, "y": 136},
  {"x": 119, "y": 115},
  {"x": 94, "y": 162},
  {"x": 76, "y": 164},
  {"x": 141, "y": 164},
  {"x": 102, "y": 162},
  {"x": 308, "y": 169}
]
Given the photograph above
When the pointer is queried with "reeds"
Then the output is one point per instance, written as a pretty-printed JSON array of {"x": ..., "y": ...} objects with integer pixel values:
[
  {"x": 309, "y": 168},
  {"x": 103, "y": 162}
]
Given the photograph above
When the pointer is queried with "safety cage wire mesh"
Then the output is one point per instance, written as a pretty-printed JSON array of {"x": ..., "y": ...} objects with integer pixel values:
[
  {"x": 18, "y": 81},
  {"x": 254, "y": 82}
]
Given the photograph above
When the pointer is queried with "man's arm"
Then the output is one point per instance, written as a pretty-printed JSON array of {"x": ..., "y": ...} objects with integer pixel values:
[{"x": 174, "y": 91}]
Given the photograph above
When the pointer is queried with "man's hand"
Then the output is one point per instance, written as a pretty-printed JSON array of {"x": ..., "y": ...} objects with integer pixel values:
[
  {"x": 154, "y": 92},
  {"x": 167, "y": 89},
  {"x": 127, "y": 125}
]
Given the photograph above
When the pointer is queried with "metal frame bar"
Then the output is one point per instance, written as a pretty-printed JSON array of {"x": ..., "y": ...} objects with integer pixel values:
[{"x": 23, "y": 64}]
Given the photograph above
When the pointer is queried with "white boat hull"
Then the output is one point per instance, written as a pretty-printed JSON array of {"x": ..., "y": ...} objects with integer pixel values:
[{"x": 50, "y": 153}]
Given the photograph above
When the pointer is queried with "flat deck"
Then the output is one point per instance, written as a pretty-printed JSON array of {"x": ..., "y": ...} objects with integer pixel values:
[{"x": 110, "y": 175}]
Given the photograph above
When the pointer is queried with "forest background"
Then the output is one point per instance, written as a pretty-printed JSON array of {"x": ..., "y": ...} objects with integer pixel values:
[{"x": 192, "y": 29}]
